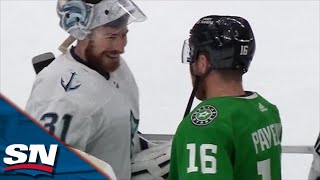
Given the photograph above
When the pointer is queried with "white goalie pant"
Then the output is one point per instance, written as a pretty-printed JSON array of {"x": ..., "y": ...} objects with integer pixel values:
[
  {"x": 101, "y": 165},
  {"x": 152, "y": 163}
]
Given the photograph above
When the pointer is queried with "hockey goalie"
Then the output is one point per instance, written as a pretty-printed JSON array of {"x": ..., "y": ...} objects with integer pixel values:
[{"x": 151, "y": 160}]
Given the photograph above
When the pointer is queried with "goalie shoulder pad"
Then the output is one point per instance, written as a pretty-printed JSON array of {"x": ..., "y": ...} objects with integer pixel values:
[
  {"x": 99, "y": 164},
  {"x": 152, "y": 163}
]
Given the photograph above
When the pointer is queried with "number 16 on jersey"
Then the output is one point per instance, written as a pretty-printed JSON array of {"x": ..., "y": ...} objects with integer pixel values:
[{"x": 208, "y": 163}]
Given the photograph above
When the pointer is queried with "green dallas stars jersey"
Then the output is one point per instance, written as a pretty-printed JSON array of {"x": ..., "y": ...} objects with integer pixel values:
[{"x": 228, "y": 138}]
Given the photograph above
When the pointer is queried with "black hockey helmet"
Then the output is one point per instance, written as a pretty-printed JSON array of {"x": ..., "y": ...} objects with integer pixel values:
[{"x": 228, "y": 41}]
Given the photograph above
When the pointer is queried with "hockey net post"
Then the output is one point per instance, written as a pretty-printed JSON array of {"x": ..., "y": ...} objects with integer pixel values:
[{"x": 162, "y": 138}]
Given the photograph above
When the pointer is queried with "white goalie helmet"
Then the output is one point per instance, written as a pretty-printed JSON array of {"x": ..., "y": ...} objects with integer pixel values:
[
  {"x": 152, "y": 163},
  {"x": 79, "y": 18}
]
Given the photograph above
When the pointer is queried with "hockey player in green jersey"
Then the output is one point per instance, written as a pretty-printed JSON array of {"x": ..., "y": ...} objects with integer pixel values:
[{"x": 232, "y": 134}]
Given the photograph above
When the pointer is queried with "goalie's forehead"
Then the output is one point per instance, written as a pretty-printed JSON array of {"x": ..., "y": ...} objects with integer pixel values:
[{"x": 107, "y": 31}]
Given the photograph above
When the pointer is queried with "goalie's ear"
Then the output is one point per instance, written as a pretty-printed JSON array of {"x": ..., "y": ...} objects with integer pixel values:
[{"x": 99, "y": 164}]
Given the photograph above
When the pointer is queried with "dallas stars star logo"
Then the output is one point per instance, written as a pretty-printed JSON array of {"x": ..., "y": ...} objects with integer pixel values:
[{"x": 204, "y": 115}]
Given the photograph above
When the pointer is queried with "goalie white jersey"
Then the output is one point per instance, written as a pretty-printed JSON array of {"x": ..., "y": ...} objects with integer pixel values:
[{"x": 97, "y": 115}]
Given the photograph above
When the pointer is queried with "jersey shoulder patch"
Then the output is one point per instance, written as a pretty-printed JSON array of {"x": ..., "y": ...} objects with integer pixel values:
[{"x": 204, "y": 115}]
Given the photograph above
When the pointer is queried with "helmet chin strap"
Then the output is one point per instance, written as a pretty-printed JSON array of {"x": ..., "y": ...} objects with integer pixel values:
[
  {"x": 193, "y": 94},
  {"x": 194, "y": 90}
]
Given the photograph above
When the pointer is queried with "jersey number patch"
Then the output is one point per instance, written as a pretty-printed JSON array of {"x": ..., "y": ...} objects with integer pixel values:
[
  {"x": 50, "y": 119},
  {"x": 208, "y": 163},
  {"x": 264, "y": 169}
]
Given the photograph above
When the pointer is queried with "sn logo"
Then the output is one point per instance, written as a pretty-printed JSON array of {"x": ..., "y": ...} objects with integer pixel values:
[
  {"x": 244, "y": 50},
  {"x": 18, "y": 159}
]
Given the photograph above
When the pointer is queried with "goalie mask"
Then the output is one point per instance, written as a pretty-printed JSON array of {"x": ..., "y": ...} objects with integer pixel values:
[{"x": 79, "y": 18}]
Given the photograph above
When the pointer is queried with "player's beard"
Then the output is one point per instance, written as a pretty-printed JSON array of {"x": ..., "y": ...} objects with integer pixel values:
[{"x": 102, "y": 62}]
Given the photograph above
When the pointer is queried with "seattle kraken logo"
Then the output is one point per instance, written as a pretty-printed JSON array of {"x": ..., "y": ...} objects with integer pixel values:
[{"x": 69, "y": 86}]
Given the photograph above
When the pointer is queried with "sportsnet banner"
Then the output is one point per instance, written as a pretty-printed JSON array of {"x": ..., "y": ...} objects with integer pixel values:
[{"x": 28, "y": 152}]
